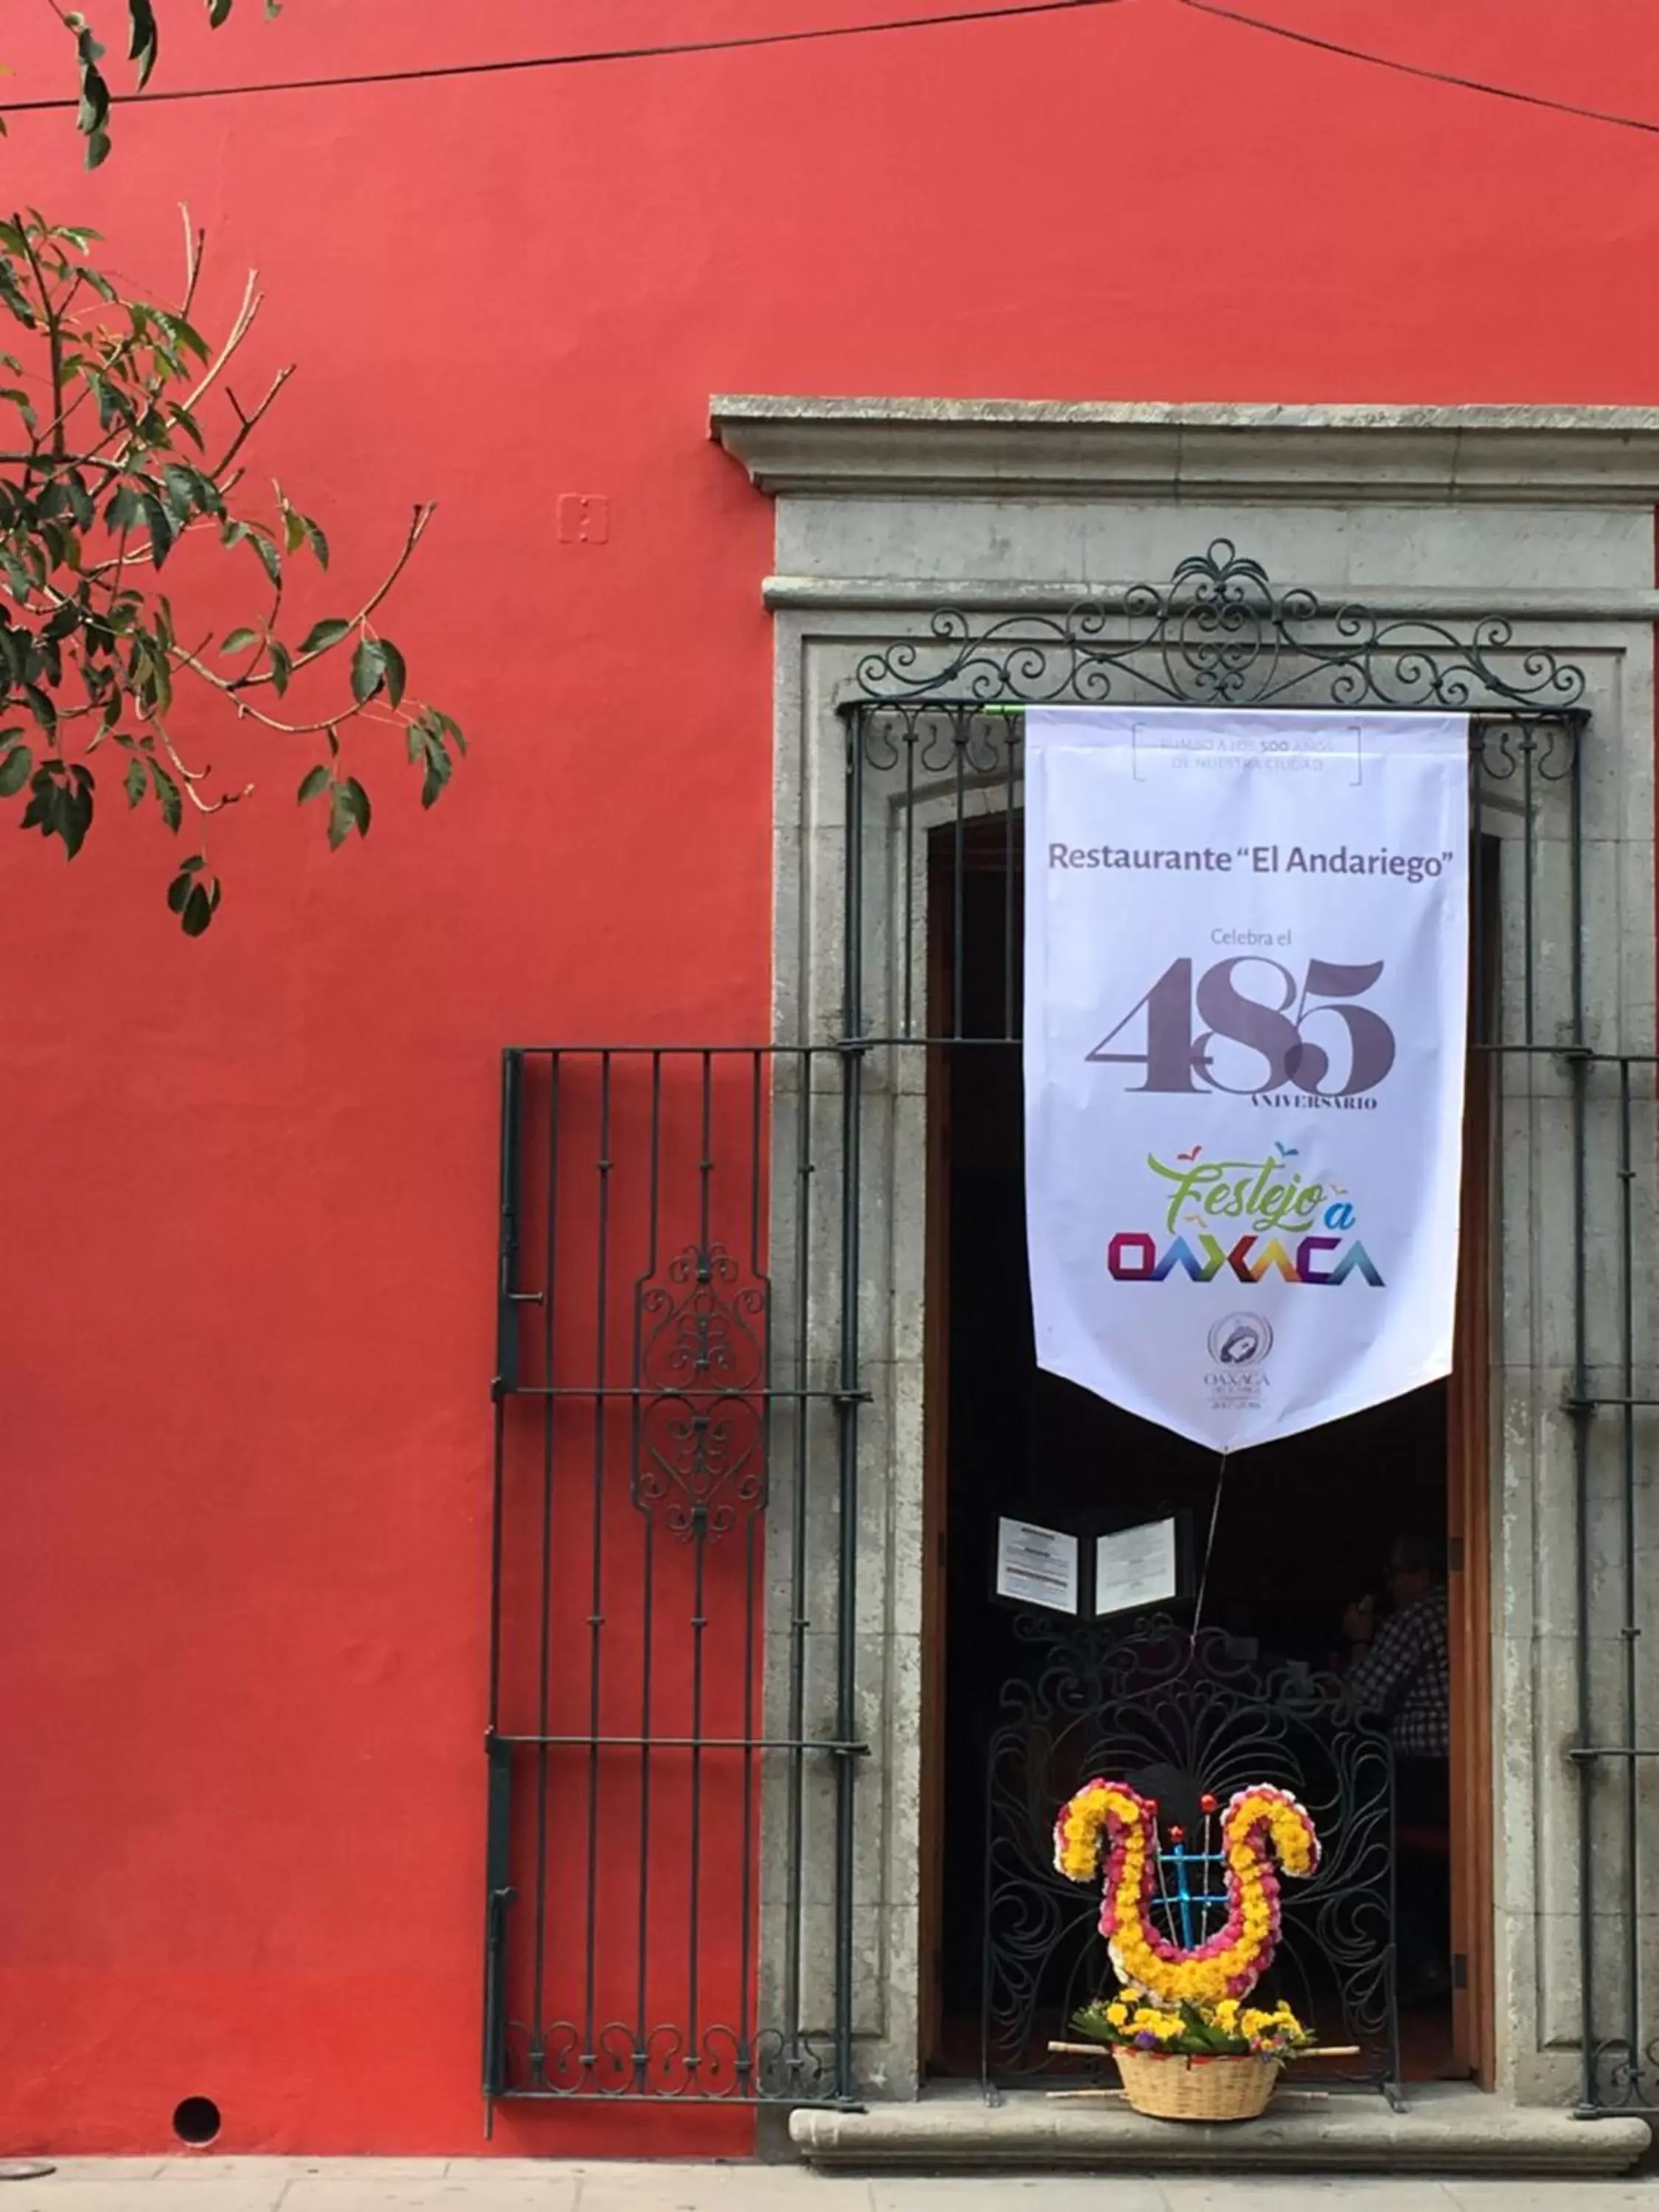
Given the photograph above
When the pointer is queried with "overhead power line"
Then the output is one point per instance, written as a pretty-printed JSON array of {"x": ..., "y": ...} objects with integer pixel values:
[
  {"x": 1005, "y": 11},
  {"x": 1421, "y": 69},
  {"x": 586, "y": 59}
]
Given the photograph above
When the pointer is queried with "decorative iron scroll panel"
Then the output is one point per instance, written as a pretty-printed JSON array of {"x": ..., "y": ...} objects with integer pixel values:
[
  {"x": 1177, "y": 1722},
  {"x": 663, "y": 1388}
]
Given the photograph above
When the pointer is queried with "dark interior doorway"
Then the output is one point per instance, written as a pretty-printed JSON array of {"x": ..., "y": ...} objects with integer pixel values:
[{"x": 1305, "y": 1527}]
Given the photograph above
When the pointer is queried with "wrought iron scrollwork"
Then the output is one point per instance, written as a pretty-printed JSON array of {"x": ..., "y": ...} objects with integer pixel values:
[
  {"x": 720, "y": 2064},
  {"x": 1179, "y": 1719},
  {"x": 1624, "y": 2079},
  {"x": 1513, "y": 752},
  {"x": 700, "y": 1449},
  {"x": 1219, "y": 633}
]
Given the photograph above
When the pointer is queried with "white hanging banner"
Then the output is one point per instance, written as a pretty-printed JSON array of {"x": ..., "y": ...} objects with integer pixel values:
[{"x": 1246, "y": 991}]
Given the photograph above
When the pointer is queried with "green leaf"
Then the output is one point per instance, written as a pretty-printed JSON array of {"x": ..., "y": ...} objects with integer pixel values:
[
  {"x": 180, "y": 888},
  {"x": 281, "y": 666},
  {"x": 340, "y": 815},
  {"x": 95, "y": 97},
  {"x": 137, "y": 780},
  {"x": 15, "y": 768},
  {"x": 41, "y": 705},
  {"x": 322, "y": 634},
  {"x": 75, "y": 811},
  {"x": 41, "y": 813},
  {"x": 168, "y": 794},
  {"x": 357, "y": 800},
  {"x": 368, "y": 669},
  {"x": 439, "y": 769},
  {"x": 140, "y": 48},
  {"x": 270, "y": 559},
  {"x": 188, "y": 336},
  {"x": 239, "y": 640},
  {"x": 217, "y": 11},
  {"x": 294, "y": 529},
  {"x": 198, "y": 909},
  {"x": 318, "y": 542},
  {"x": 397, "y": 676},
  {"x": 161, "y": 532},
  {"x": 97, "y": 149},
  {"x": 314, "y": 782},
  {"x": 183, "y": 490}
]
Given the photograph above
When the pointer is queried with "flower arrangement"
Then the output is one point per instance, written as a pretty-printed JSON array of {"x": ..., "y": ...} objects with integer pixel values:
[
  {"x": 1229, "y": 2029},
  {"x": 1261, "y": 1831}
]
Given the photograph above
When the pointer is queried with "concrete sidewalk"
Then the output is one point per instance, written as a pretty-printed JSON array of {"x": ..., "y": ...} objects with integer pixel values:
[{"x": 253, "y": 2184}]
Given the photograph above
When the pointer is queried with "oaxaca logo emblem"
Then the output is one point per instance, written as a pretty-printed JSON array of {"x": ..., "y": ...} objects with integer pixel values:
[
  {"x": 1240, "y": 1220},
  {"x": 1240, "y": 1340}
]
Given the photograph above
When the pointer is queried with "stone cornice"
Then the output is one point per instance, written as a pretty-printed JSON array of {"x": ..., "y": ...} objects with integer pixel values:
[
  {"x": 879, "y": 448},
  {"x": 995, "y": 595}
]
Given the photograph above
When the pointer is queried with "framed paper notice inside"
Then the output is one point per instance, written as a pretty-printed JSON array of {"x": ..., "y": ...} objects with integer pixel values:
[
  {"x": 1036, "y": 1566},
  {"x": 1137, "y": 1570}
]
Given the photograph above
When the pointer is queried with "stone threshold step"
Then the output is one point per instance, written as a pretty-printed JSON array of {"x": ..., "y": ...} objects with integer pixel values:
[{"x": 1443, "y": 2129}]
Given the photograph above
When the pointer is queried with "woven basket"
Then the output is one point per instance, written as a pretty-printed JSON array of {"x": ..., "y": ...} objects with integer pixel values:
[{"x": 1169, "y": 2086}]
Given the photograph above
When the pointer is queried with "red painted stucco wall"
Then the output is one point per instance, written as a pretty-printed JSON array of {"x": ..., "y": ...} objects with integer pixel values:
[{"x": 249, "y": 1217}]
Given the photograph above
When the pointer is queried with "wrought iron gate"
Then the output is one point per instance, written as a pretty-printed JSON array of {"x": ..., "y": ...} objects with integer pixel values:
[
  {"x": 652, "y": 1376},
  {"x": 675, "y": 1731}
]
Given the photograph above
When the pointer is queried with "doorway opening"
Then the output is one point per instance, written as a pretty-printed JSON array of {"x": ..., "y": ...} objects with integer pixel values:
[{"x": 1307, "y": 1530}]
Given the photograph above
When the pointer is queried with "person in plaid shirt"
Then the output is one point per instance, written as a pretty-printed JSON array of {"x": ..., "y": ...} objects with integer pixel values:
[{"x": 1400, "y": 1671}]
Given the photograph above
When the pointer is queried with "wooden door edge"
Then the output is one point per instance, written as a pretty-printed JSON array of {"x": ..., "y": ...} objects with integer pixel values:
[
  {"x": 935, "y": 1403},
  {"x": 1468, "y": 1520}
]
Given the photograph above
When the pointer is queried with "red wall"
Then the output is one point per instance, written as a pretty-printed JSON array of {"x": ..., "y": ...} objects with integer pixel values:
[{"x": 249, "y": 1221}]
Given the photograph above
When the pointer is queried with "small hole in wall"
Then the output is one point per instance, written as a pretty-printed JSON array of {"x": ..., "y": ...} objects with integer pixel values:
[{"x": 196, "y": 2120}]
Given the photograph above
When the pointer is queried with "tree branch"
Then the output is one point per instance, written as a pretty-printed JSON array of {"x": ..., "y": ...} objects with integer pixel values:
[
  {"x": 190, "y": 777},
  {"x": 54, "y": 335},
  {"x": 235, "y": 686}
]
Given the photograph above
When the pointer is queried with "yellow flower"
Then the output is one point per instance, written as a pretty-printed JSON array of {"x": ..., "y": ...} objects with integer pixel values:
[{"x": 1117, "y": 2013}]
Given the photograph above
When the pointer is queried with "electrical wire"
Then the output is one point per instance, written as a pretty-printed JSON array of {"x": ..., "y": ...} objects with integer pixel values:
[
  {"x": 1421, "y": 69},
  {"x": 1002, "y": 13},
  {"x": 735, "y": 44}
]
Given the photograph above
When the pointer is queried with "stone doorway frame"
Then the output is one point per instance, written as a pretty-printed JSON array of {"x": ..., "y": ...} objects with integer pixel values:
[{"x": 888, "y": 508}]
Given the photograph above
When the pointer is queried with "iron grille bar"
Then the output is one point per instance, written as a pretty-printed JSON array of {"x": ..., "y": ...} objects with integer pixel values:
[
  {"x": 695, "y": 1743},
  {"x": 630, "y": 1394},
  {"x": 872, "y": 1042},
  {"x": 1481, "y": 719},
  {"x": 846, "y": 1429}
]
